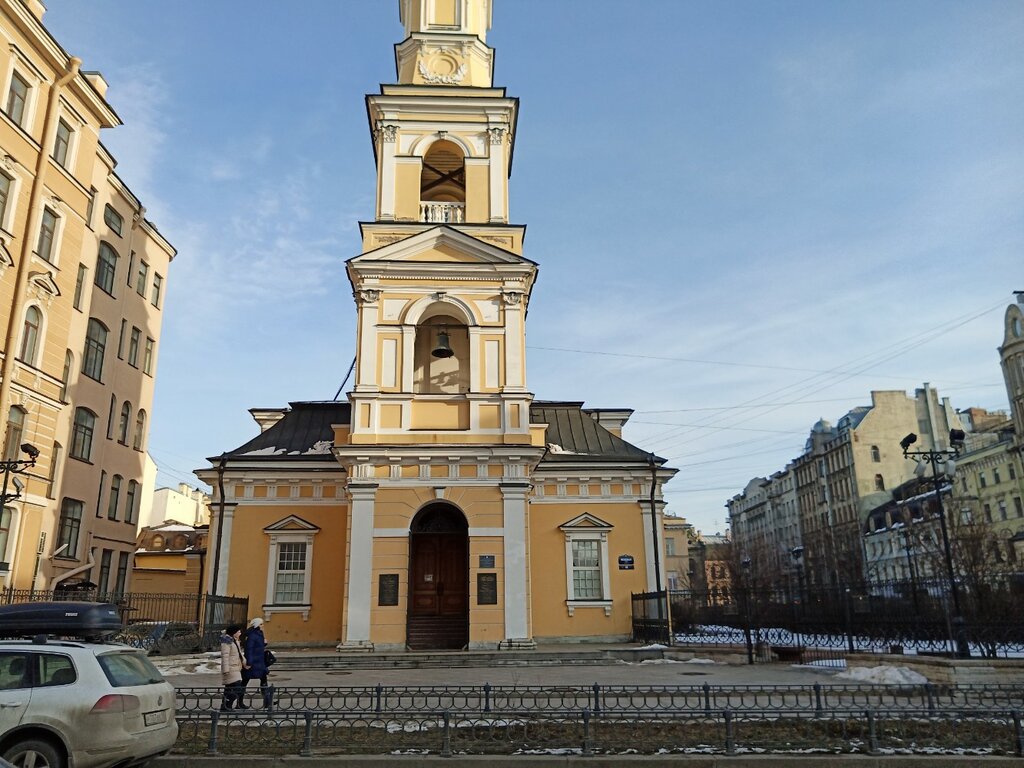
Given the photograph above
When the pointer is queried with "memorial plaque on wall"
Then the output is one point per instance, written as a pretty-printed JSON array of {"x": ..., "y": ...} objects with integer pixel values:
[
  {"x": 486, "y": 561},
  {"x": 487, "y": 589},
  {"x": 387, "y": 589}
]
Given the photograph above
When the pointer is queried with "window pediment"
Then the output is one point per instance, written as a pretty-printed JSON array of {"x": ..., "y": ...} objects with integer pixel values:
[
  {"x": 292, "y": 524},
  {"x": 585, "y": 523},
  {"x": 43, "y": 287}
]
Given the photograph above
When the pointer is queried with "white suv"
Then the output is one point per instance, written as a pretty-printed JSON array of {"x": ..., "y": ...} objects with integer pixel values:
[{"x": 78, "y": 704}]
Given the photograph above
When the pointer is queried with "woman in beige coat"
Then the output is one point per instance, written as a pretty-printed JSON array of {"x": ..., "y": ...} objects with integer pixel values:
[{"x": 232, "y": 662}]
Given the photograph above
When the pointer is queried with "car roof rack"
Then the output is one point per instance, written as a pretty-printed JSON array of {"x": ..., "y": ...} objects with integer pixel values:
[{"x": 86, "y": 621}]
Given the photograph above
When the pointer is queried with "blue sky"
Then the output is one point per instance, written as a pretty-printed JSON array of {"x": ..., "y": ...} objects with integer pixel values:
[{"x": 747, "y": 215}]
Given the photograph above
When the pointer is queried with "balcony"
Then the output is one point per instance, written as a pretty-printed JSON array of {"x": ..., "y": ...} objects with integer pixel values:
[{"x": 442, "y": 213}]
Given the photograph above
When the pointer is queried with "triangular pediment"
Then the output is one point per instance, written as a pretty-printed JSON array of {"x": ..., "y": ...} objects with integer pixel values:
[
  {"x": 443, "y": 245},
  {"x": 586, "y": 521},
  {"x": 291, "y": 523}
]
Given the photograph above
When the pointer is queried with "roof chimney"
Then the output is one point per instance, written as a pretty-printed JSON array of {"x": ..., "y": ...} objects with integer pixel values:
[{"x": 97, "y": 81}]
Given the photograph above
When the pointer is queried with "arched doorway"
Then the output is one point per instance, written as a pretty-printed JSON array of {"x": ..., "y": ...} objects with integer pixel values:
[{"x": 438, "y": 579}]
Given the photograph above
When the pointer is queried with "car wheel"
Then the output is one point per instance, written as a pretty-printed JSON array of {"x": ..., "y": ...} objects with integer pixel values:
[{"x": 34, "y": 753}]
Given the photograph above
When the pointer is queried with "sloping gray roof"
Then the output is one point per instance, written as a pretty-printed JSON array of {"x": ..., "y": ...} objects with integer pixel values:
[
  {"x": 573, "y": 435},
  {"x": 301, "y": 432}
]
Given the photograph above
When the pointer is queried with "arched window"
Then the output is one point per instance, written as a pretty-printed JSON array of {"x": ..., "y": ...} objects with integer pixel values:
[
  {"x": 443, "y": 184},
  {"x": 81, "y": 435},
  {"x": 441, "y": 356},
  {"x": 126, "y": 418},
  {"x": 95, "y": 349},
  {"x": 140, "y": 430},
  {"x": 115, "y": 497},
  {"x": 30, "y": 335},
  {"x": 130, "y": 500},
  {"x": 65, "y": 377},
  {"x": 157, "y": 542},
  {"x": 106, "y": 269},
  {"x": 15, "y": 429},
  {"x": 876, "y": 455},
  {"x": 879, "y": 483}
]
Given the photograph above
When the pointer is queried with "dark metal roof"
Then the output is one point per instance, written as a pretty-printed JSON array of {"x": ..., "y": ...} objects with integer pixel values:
[
  {"x": 298, "y": 433},
  {"x": 573, "y": 435}
]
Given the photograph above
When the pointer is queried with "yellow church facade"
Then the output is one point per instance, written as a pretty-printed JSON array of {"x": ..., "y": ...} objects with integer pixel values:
[{"x": 442, "y": 505}]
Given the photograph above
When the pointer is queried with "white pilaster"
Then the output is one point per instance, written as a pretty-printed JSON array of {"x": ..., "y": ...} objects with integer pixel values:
[
  {"x": 516, "y": 598},
  {"x": 515, "y": 373},
  {"x": 360, "y": 565},
  {"x": 389, "y": 137},
  {"x": 367, "y": 369},
  {"x": 497, "y": 176},
  {"x": 224, "y": 539}
]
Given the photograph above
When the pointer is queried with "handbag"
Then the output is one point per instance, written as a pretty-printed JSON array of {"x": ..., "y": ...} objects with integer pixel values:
[{"x": 269, "y": 657}]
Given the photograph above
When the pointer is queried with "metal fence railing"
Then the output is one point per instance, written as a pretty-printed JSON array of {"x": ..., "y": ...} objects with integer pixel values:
[
  {"x": 646, "y": 699},
  {"x": 204, "y": 615},
  {"x": 445, "y": 732}
]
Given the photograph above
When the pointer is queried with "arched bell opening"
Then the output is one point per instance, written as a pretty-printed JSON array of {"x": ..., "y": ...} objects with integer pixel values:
[
  {"x": 438, "y": 579},
  {"x": 443, "y": 184},
  {"x": 441, "y": 356}
]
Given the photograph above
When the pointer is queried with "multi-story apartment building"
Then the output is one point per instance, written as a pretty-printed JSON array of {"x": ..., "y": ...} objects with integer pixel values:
[
  {"x": 678, "y": 534},
  {"x": 845, "y": 472},
  {"x": 764, "y": 518},
  {"x": 82, "y": 284}
]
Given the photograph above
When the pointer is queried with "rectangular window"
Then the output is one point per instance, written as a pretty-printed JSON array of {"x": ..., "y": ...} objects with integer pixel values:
[
  {"x": 53, "y": 480},
  {"x": 80, "y": 285},
  {"x": 1013, "y": 472},
  {"x": 142, "y": 279},
  {"x": 290, "y": 578},
  {"x": 81, "y": 434},
  {"x": 1002, "y": 510},
  {"x": 90, "y": 207},
  {"x": 158, "y": 284},
  {"x": 988, "y": 513},
  {"x": 101, "y": 582},
  {"x": 147, "y": 357},
  {"x": 115, "y": 497},
  {"x": 68, "y": 528},
  {"x": 99, "y": 493},
  {"x": 1018, "y": 505},
  {"x": 62, "y": 143},
  {"x": 586, "y": 569},
  {"x": 5, "y": 193},
  {"x": 17, "y": 98},
  {"x": 981, "y": 479},
  {"x": 133, "y": 347},
  {"x": 122, "y": 573},
  {"x": 47, "y": 234},
  {"x": 995, "y": 476},
  {"x": 6, "y": 516},
  {"x": 670, "y": 546},
  {"x": 106, "y": 268},
  {"x": 113, "y": 220}
]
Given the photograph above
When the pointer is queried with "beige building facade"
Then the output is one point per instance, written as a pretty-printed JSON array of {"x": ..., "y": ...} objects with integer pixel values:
[{"x": 82, "y": 285}]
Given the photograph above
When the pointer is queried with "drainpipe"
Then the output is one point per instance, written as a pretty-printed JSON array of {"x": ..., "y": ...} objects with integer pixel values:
[
  {"x": 90, "y": 563},
  {"x": 31, "y": 225}
]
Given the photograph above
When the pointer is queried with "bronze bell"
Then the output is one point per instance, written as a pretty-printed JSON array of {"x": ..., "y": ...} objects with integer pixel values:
[{"x": 443, "y": 348}]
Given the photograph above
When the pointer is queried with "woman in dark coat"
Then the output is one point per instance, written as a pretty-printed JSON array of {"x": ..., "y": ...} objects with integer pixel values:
[{"x": 255, "y": 652}]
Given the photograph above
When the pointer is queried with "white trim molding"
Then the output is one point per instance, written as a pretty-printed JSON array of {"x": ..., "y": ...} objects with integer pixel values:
[{"x": 587, "y": 527}]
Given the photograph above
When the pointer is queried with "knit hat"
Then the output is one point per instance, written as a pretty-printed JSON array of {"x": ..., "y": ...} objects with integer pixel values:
[
  {"x": 232, "y": 628},
  {"x": 257, "y": 622}
]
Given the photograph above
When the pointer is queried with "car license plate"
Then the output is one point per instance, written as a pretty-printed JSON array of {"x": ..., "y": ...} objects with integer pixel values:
[{"x": 155, "y": 718}]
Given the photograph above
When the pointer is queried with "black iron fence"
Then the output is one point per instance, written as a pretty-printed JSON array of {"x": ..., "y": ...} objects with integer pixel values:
[
  {"x": 610, "y": 720},
  {"x": 153, "y": 619},
  {"x": 811, "y": 624}
]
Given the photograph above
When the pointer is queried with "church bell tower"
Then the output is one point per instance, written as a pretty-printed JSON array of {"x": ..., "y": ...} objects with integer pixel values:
[{"x": 440, "y": 420}]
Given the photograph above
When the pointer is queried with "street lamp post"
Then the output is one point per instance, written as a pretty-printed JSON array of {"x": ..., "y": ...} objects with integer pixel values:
[
  {"x": 16, "y": 466},
  {"x": 745, "y": 563},
  {"x": 947, "y": 459}
]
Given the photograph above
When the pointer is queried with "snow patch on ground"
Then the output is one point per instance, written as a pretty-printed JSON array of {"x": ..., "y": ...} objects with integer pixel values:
[
  {"x": 187, "y": 665},
  {"x": 885, "y": 675},
  {"x": 654, "y": 647},
  {"x": 702, "y": 661}
]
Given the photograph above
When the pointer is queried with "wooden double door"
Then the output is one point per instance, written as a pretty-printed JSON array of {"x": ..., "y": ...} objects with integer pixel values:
[{"x": 438, "y": 585}]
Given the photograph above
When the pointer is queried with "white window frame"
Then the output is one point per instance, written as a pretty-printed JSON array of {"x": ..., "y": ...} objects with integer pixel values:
[
  {"x": 7, "y": 216},
  {"x": 31, "y": 76},
  {"x": 58, "y": 234},
  {"x": 37, "y": 353},
  {"x": 586, "y": 527},
  {"x": 291, "y": 530}
]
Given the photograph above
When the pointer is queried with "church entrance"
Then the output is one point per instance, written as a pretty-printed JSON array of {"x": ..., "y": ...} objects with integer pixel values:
[{"x": 438, "y": 579}]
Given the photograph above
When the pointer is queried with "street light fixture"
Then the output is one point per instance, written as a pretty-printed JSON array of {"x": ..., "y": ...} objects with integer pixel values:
[
  {"x": 17, "y": 466},
  {"x": 947, "y": 459}
]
